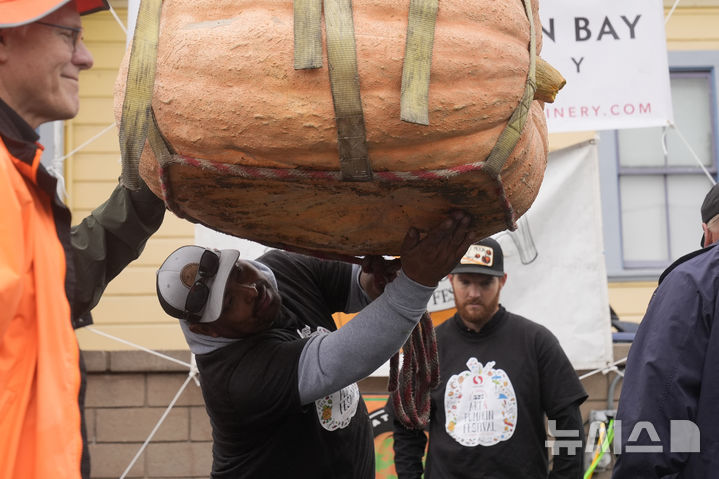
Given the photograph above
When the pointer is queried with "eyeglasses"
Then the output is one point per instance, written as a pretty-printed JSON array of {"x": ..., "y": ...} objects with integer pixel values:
[
  {"x": 73, "y": 32},
  {"x": 199, "y": 292}
]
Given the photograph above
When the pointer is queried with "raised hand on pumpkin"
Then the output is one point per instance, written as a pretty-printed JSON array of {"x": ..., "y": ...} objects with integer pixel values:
[
  {"x": 377, "y": 272},
  {"x": 428, "y": 259}
]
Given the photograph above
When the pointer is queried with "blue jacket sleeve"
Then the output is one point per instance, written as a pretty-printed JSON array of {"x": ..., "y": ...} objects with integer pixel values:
[{"x": 663, "y": 376}]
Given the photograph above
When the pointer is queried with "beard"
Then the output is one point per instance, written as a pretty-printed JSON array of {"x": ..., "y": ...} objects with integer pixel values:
[
  {"x": 270, "y": 312},
  {"x": 478, "y": 313}
]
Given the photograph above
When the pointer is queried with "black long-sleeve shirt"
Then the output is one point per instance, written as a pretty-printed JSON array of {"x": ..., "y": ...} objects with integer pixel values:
[{"x": 488, "y": 412}]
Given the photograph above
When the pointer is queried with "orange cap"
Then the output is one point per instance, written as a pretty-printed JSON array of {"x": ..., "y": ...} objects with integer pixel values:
[{"x": 14, "y": 13}]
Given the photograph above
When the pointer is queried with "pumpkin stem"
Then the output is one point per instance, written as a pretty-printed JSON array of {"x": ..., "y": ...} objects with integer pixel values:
[{"x": 549, "y": 82}]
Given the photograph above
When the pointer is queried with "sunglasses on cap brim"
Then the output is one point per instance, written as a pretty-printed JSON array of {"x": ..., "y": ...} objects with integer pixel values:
[{"x": 199, "y": 291}]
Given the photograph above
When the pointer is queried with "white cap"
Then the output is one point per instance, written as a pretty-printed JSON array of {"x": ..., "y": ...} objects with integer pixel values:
[{"x": 179, "y": 273}]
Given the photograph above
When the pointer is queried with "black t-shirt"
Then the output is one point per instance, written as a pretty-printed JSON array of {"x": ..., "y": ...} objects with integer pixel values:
[
  {"x": 488, "y": 412},
  {"x": 260, "y": 429}
]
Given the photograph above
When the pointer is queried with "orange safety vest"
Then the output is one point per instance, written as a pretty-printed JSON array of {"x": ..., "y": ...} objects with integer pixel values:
[{"x": 40, "y": 431}]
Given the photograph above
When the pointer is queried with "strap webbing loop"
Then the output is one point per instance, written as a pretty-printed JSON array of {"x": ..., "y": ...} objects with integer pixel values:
[
  {"x": 414, "y": 99},
  {"x": 513, "y": 131},
  {"x": 136, "y": 105},
  {"x": 344, "y": 81},
  {"x": 307, "y": 33}
]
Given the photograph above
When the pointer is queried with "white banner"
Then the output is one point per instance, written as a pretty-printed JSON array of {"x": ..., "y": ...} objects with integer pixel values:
[{"x": 613, "y": 56}]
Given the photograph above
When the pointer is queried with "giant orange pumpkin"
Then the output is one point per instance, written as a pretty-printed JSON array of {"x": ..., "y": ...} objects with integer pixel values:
[{"x": 255, "y": 141}]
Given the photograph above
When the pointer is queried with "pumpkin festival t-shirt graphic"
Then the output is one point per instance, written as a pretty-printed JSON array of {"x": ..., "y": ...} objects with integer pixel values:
[
  {"x": 480, "y": 405},
  {"x": 336, "y": 410}
]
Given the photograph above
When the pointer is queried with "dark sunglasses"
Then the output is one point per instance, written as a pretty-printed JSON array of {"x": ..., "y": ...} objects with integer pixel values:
[
  {"x": 199, "y": 292},
  {"x": 74, "y": 32}
]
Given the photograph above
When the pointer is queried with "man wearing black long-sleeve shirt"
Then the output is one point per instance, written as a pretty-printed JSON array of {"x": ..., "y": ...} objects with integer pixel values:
[{"x": 500, "y": 375}]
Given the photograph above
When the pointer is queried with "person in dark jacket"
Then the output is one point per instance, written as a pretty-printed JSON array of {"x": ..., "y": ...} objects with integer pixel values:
[
  {"x": 710, "y": 217},
  {"x": 500, "y": 374},
  {"x": 277, "y": 376},
  {"x": 668, "y": 405},
  {"x": 51, "y": 274}
]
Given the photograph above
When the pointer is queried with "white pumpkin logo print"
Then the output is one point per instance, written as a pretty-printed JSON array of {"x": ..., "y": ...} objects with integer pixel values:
[
  {"x": 480, "y": 405},
  {"x": 336, "y": 410}
]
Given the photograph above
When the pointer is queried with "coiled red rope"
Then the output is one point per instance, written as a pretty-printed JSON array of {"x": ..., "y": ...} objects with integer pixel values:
[{"x": 410, "y": 387}]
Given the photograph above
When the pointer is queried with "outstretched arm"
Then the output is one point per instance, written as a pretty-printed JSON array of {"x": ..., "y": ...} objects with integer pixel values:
[
  {"x": 110, "y": 238},
  {"x": 369, "y": 281},
  {"x": 332, "y": 361}
]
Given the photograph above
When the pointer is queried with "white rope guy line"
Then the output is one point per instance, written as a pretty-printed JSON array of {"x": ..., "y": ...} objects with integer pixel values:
[
  {"x": 164, "y": 356},
  {"x": 192, "y": 375},
  {"x": 117, "y": 19},
  {"x": 673, "y": 126},
  {"x": 669, "y": 15},
  {"x": 604, "y": 370},
  {"x": 57, "y": 171},
  {"x": 159, "y": 423},
  {"x": 691, "y": 150},
  {"x": 105, "y": 130}
]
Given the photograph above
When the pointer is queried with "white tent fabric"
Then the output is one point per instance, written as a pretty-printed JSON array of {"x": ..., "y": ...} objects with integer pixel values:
[{"x": 564, "y": 286}]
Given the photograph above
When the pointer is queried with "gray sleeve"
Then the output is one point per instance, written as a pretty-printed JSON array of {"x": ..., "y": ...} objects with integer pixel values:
[
  {"x": 357, "y": 298},
  {"x": 332, "y": 361}
]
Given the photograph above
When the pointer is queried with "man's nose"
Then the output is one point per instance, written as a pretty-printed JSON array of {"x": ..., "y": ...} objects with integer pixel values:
[
  {"x": 81, "y": 56},
  {"x": 474, "y": 291},
  {"x": 250, "y": 291}
]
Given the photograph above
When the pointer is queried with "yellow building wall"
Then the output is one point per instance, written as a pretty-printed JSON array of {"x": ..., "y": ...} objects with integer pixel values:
[{"x": 129, "y": 309}]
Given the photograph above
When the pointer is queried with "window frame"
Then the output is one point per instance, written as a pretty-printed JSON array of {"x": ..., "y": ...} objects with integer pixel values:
[{"x": 679, "y": 61}]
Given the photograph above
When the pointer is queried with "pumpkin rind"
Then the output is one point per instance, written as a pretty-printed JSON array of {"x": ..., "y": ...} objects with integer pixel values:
[{"x": 226, "y": 91}]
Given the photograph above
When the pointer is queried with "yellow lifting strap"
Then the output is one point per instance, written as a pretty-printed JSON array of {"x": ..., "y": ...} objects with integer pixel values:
[
  {"x": 344, "y": 82},
  {"x": 414, "y": 98},
  {"x": 136, "y": 115},
  {"x": 307, "y": 34},
  {"x": 513, "y": 131},
  {"x": 344, "y": 77}
]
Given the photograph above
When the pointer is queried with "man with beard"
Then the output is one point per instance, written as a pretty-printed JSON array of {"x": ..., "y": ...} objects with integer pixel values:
[
  {"x": 277, "y": 375},
  {"x": 500, "y": 375}
]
